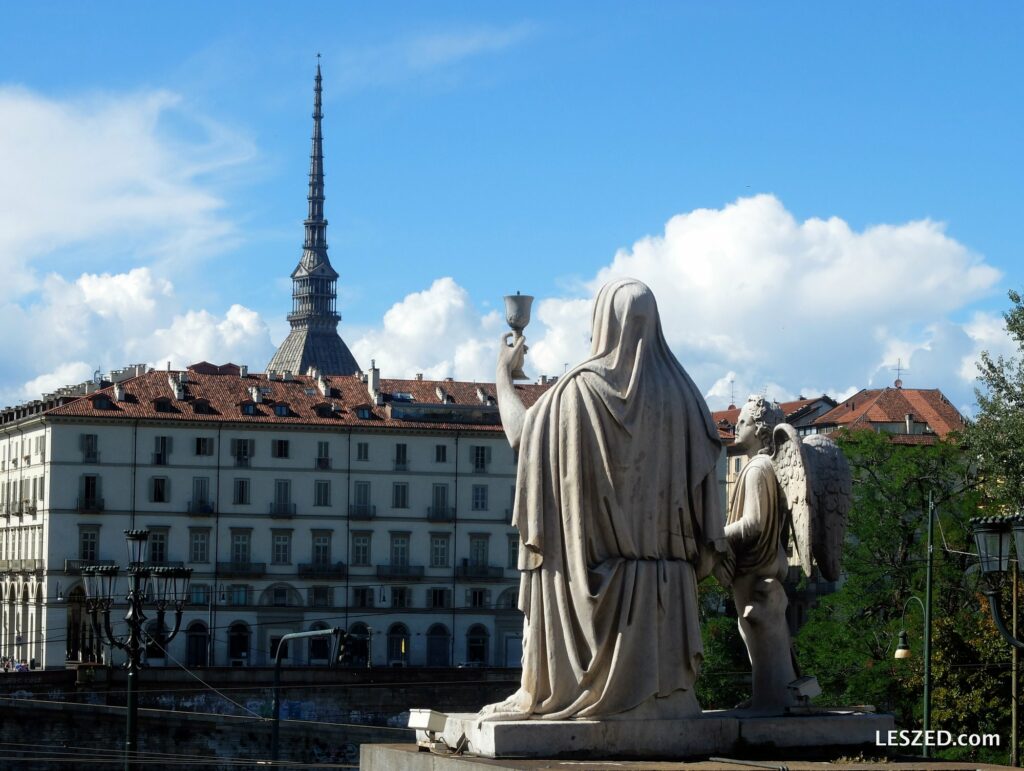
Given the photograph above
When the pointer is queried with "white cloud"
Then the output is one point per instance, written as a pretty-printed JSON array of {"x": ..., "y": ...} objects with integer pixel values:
[
  {"x": 103, "y": 175},
  {"x": 110, "y": 320},
  {"x": 436, "y": 332},
  {"x": 752, "y": 301},
  {"x": 417, "y": 56}
]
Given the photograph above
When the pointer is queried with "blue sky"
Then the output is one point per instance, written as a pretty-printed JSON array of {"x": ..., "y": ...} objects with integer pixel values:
[{"x": 844, "y": 181}]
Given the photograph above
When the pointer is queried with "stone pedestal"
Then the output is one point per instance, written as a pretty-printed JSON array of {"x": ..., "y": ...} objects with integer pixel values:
[{"x": 713, "y": 733}]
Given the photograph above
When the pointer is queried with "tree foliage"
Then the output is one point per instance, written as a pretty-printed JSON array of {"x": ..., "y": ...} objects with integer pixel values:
[
  {"x": 850, "y": 639},
  {"x": 996, "y": 437}
]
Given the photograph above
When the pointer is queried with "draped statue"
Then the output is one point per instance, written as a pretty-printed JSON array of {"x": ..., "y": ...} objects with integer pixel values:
[{"x": 618, "y": 512}]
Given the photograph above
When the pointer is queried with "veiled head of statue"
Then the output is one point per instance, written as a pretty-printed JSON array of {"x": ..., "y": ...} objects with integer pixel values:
[{"x": 625, "y": 313}]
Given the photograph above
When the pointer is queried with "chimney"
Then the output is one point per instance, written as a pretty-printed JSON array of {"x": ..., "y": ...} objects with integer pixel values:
[
  {"x": 321, "y": 385},
  {"x": 419, "y": 375},
  {"x": 286, "y": 376},
  {"x": 481, "y": 395},
  {"x": 909, "y": 419},
  {"x": 174, "y": 381},
  {"x": 243, "y": 370},
  {"x": 373, "y": 383},
  {"x": 118, "y": 392},
  {"x": 255, "y": 395}
]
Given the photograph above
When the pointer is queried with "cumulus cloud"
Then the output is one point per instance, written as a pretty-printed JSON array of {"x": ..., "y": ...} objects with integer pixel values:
[
  {"x": 104, "y": 181},
  {"x": 437, "y": 332},
  {"x": 108, "y": 320},
  {"x": 752, "y": 301}
]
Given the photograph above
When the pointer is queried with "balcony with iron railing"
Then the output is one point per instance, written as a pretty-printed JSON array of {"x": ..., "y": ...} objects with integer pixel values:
[
  {"x": 201, "y": 507},
  {"x": 89, "y": 505},
  {"x": 479, "y": 572},
  {"x": 361, "y": 511},
  {"x": 440, "y": 513},
  {"x": 322, "y": 570},
  {"x": 241, "y": 569},
  {"x": 150, "y": 564},
  {"x": 401, "y": 572},
  {"x": 75, "y": 566},
  {"x": 282, "y": 510}
]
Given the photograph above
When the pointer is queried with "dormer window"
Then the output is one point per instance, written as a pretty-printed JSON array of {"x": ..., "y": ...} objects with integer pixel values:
[
  {"x": 163, "y": 404},
  {"x": 248, "y": 408},
  {"x": 202, "y": 407},
  {"x": 364, "y": 413},
  {"x": 282, "y": 410},
  {"x": 102, "y": 402}
]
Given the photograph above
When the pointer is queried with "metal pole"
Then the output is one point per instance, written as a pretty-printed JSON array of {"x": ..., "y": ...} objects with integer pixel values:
[
  {"x": 1014, "y": 687},
  {"x": 928, "y": 629},
  {"x": 275, "y": 729},
  {"x": 134, "y": 618}
]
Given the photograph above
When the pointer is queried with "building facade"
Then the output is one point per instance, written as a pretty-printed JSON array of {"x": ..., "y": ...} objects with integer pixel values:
[{"x": 299, "y": 502}]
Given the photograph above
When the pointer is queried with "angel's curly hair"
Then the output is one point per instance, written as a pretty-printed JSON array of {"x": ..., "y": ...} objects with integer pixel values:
[{"x": 766, "y": 416}]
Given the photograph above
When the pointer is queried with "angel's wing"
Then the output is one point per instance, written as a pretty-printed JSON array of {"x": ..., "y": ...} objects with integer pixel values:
[
  {"x": 829, "y": 483},
  {"x": 789, "y": 464}
]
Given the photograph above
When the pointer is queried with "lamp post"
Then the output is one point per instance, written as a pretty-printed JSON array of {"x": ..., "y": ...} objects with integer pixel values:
[
  {"x": 994, "y": 537},
  {"x": 161, "y": 585},
  {"x": 281, "y": 646},
  {"x": 903, "y": 652}
]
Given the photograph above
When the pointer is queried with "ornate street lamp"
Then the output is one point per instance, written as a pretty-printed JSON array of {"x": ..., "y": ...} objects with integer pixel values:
[
  {"x": 162, "y": 586},
  {"x": 993, "y": 538}
]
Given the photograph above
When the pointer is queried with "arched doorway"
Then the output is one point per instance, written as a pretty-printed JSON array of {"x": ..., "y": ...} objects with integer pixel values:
[
  {"x": 439, "y": 645},
  {"x": 238, "y": 644},
  {"x": 398, "y": 645},
  {"x": 357, "y": 646},
  {"x": 197, "y": 647},
  {"x": 319, "y": 647},
  {"x": 476, "y": 644}
]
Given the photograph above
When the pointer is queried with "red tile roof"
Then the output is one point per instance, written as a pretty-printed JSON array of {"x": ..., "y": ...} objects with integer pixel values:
[
  {"x": 870, "y": 407},
  {"x": 790, "y": 409},
  {"x": 221, "y": 394}
]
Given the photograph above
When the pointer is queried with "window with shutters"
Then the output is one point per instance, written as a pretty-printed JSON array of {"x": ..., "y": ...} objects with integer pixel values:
[
  {"x": 440, "y": 453},
  {"x": 282, "y": 548},
  {"x": 479, "y": 497},
  {"x": 478, "y": 550},
  {"x": 241, "y": 492},
  {"x": 279, "y": 448},
  {"x": 439, "y": 598},
  {"x": 320, "y": 597},
  {"x": 240, "y": 545},
  {"x": 159, "y": 490},
  {"x": 401, "y": 457},
  {"x": 361, "y": 493},
  {"x": 439, "y": 550},
  {"x": 162, "y": 450},
  {"x": 401, "y": 597},
  {"x": 243, "y": 450},
  {"x": 201, "y": 501},
  {"x": 513, "y": 552},
  {"x": 480, "y": 456},
  {"x": 321, "y": 548},
  {"x": 90, "y": 445},
  {"x": 362, "y": 597},
  {"x": 199, "y": 545},
  {"x": 400, "y": 495},
  {"x": 157, "y": 546},
  {"x": 478, "y": 598},
  {"x": 322, "y": 492},
  {"x": 88, "y": 543},
  {"x": 204, "y": 445},
  {"x": 362, "y": 450},
  {"x": 361, "y": 549},
  {"x": 399, "y": 550}
]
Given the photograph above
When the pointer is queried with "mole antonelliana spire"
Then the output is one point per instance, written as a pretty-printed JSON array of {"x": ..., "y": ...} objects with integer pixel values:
[{"x": 314, "y": 340}]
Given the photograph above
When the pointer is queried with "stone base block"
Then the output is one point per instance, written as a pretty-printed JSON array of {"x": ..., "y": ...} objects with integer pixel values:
[{"x": 714, "y": 733}]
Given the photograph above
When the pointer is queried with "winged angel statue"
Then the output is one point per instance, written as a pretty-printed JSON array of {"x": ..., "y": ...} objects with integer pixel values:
[{"x": 789, "y": 487}]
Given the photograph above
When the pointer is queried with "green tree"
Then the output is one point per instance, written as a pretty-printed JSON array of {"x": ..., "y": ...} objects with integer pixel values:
[
  {"x": 996, "y": 437},
  {"x": 850, "y": 638}
]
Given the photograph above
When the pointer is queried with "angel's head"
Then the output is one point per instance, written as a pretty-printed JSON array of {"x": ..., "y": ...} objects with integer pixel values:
[{"x": 757, "y": 420}]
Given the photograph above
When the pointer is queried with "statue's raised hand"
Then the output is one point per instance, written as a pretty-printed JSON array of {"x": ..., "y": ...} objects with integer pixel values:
[{"x": 511, "y": 357}]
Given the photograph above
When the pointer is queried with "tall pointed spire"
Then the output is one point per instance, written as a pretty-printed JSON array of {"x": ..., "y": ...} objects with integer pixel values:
[
  {"x": 313, "y": 340},
  {"x": 315, "y": 245}
]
